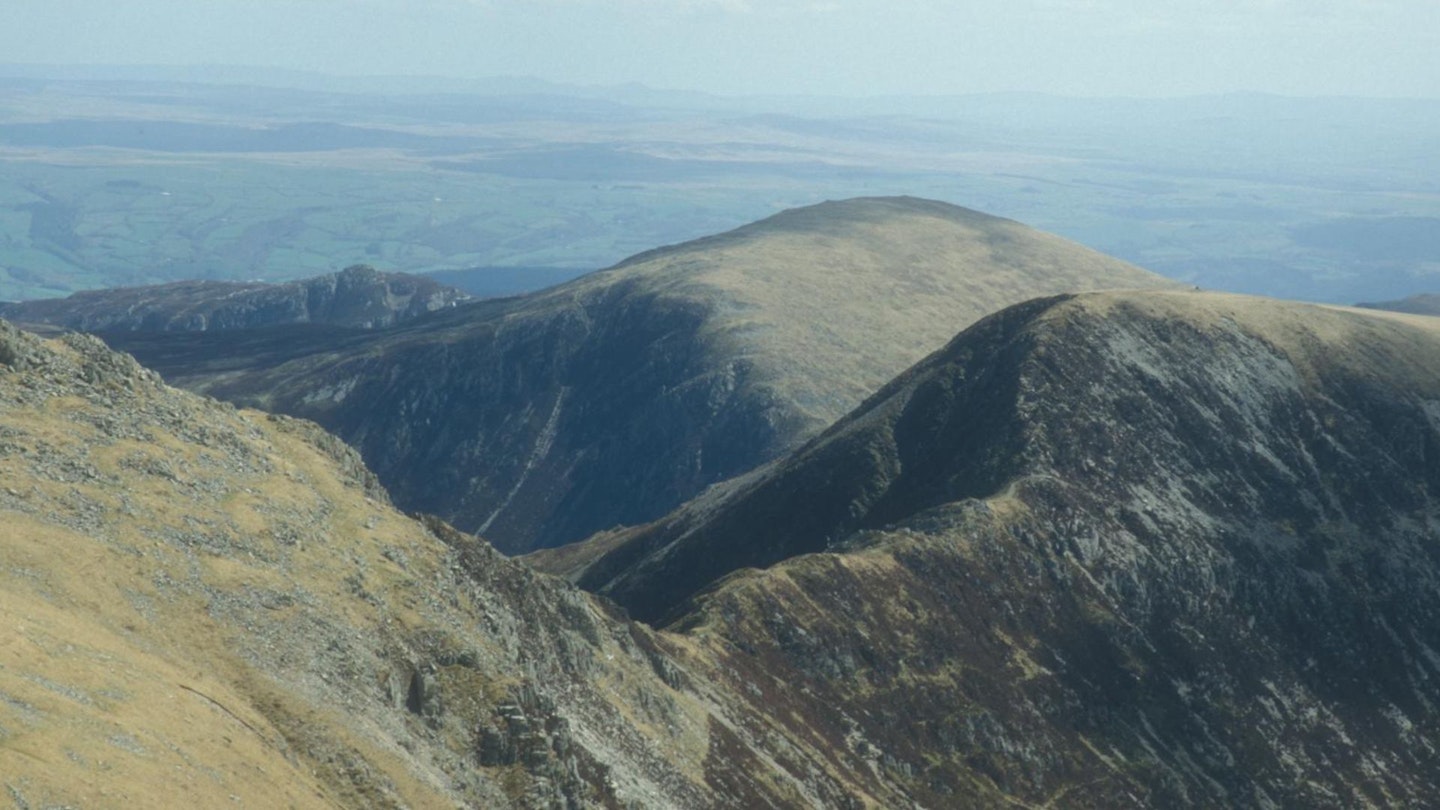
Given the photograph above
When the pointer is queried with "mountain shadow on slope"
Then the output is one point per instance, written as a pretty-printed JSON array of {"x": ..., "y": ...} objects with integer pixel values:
[
  {"x": 204, "y": 590},
  {"x": 1186, "y": 557}
]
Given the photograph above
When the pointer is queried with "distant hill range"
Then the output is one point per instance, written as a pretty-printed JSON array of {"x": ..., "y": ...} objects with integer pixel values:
[
  {"x": 1420, "y": 304},
  {"x": 611, "y": 399},
  {"x": 358, "y": 296}
]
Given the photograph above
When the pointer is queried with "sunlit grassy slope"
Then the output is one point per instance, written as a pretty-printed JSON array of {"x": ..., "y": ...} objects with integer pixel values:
[{"x": 832, "y": 300}]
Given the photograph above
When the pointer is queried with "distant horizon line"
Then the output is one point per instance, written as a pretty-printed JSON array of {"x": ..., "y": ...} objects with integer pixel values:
[{"x": 260, "y": 75}]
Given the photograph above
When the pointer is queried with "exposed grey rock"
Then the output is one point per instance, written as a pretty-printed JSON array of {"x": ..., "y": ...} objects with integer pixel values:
[
  {"x": 358, "y": 297},
  {"x": 422, "y": 697},
  {"x": 1164, "y": 550}
]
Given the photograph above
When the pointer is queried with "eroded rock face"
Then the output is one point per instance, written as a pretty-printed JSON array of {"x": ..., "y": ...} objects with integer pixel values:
[
  {"x": 357, "y": 297},
  {"x": 1146, "y": 550}
]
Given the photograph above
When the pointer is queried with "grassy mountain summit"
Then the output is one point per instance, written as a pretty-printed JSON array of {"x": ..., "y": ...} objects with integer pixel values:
[
  {"x": 830, "y": 301},
  {"x": 613, "y": 398}
]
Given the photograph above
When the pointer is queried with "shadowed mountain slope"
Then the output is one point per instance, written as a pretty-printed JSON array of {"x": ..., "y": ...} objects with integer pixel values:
[
  {"x": 1139, "y": 550},
  {"x": 358, "y": 296},
  {"x": 611, "y": 399},
  {"x": 1151, "y": 382}
]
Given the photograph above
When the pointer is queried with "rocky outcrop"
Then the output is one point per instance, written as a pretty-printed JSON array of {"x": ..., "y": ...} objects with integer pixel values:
[
  {"x": 358, "y": 297},
  {"x": 610, "y": 400}
]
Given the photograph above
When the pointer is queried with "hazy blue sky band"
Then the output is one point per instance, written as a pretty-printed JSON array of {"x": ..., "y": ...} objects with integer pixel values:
[{"x": 843, "y": 47}]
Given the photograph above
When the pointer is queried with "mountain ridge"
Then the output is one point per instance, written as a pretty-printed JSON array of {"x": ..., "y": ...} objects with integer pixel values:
[
  {"x": 213, "y": 606},
  {"x": 359, "y": 297},
  {"x": 865, "y": 507},
  {"x": 1129, "y": 549},
  {"x": 1418, "y": 304}
]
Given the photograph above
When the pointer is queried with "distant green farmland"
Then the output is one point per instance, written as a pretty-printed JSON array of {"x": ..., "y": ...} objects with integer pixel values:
[{"x": 106, "y": 184}]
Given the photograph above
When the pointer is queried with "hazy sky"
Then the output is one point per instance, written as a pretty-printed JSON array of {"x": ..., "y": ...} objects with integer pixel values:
[{"x": 843, "y": 47}]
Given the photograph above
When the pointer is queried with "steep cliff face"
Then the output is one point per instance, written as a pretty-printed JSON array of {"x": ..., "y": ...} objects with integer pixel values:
[
  {"x": 614, "y": 398},
  {"x": 358, "y": 297},
  {"x": 1111, "y": 550}
]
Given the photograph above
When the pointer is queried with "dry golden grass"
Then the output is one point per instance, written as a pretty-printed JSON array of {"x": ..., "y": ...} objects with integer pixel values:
[
  {"x": 100, "y": 707},
  {"x": 133, "y": 672}
]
